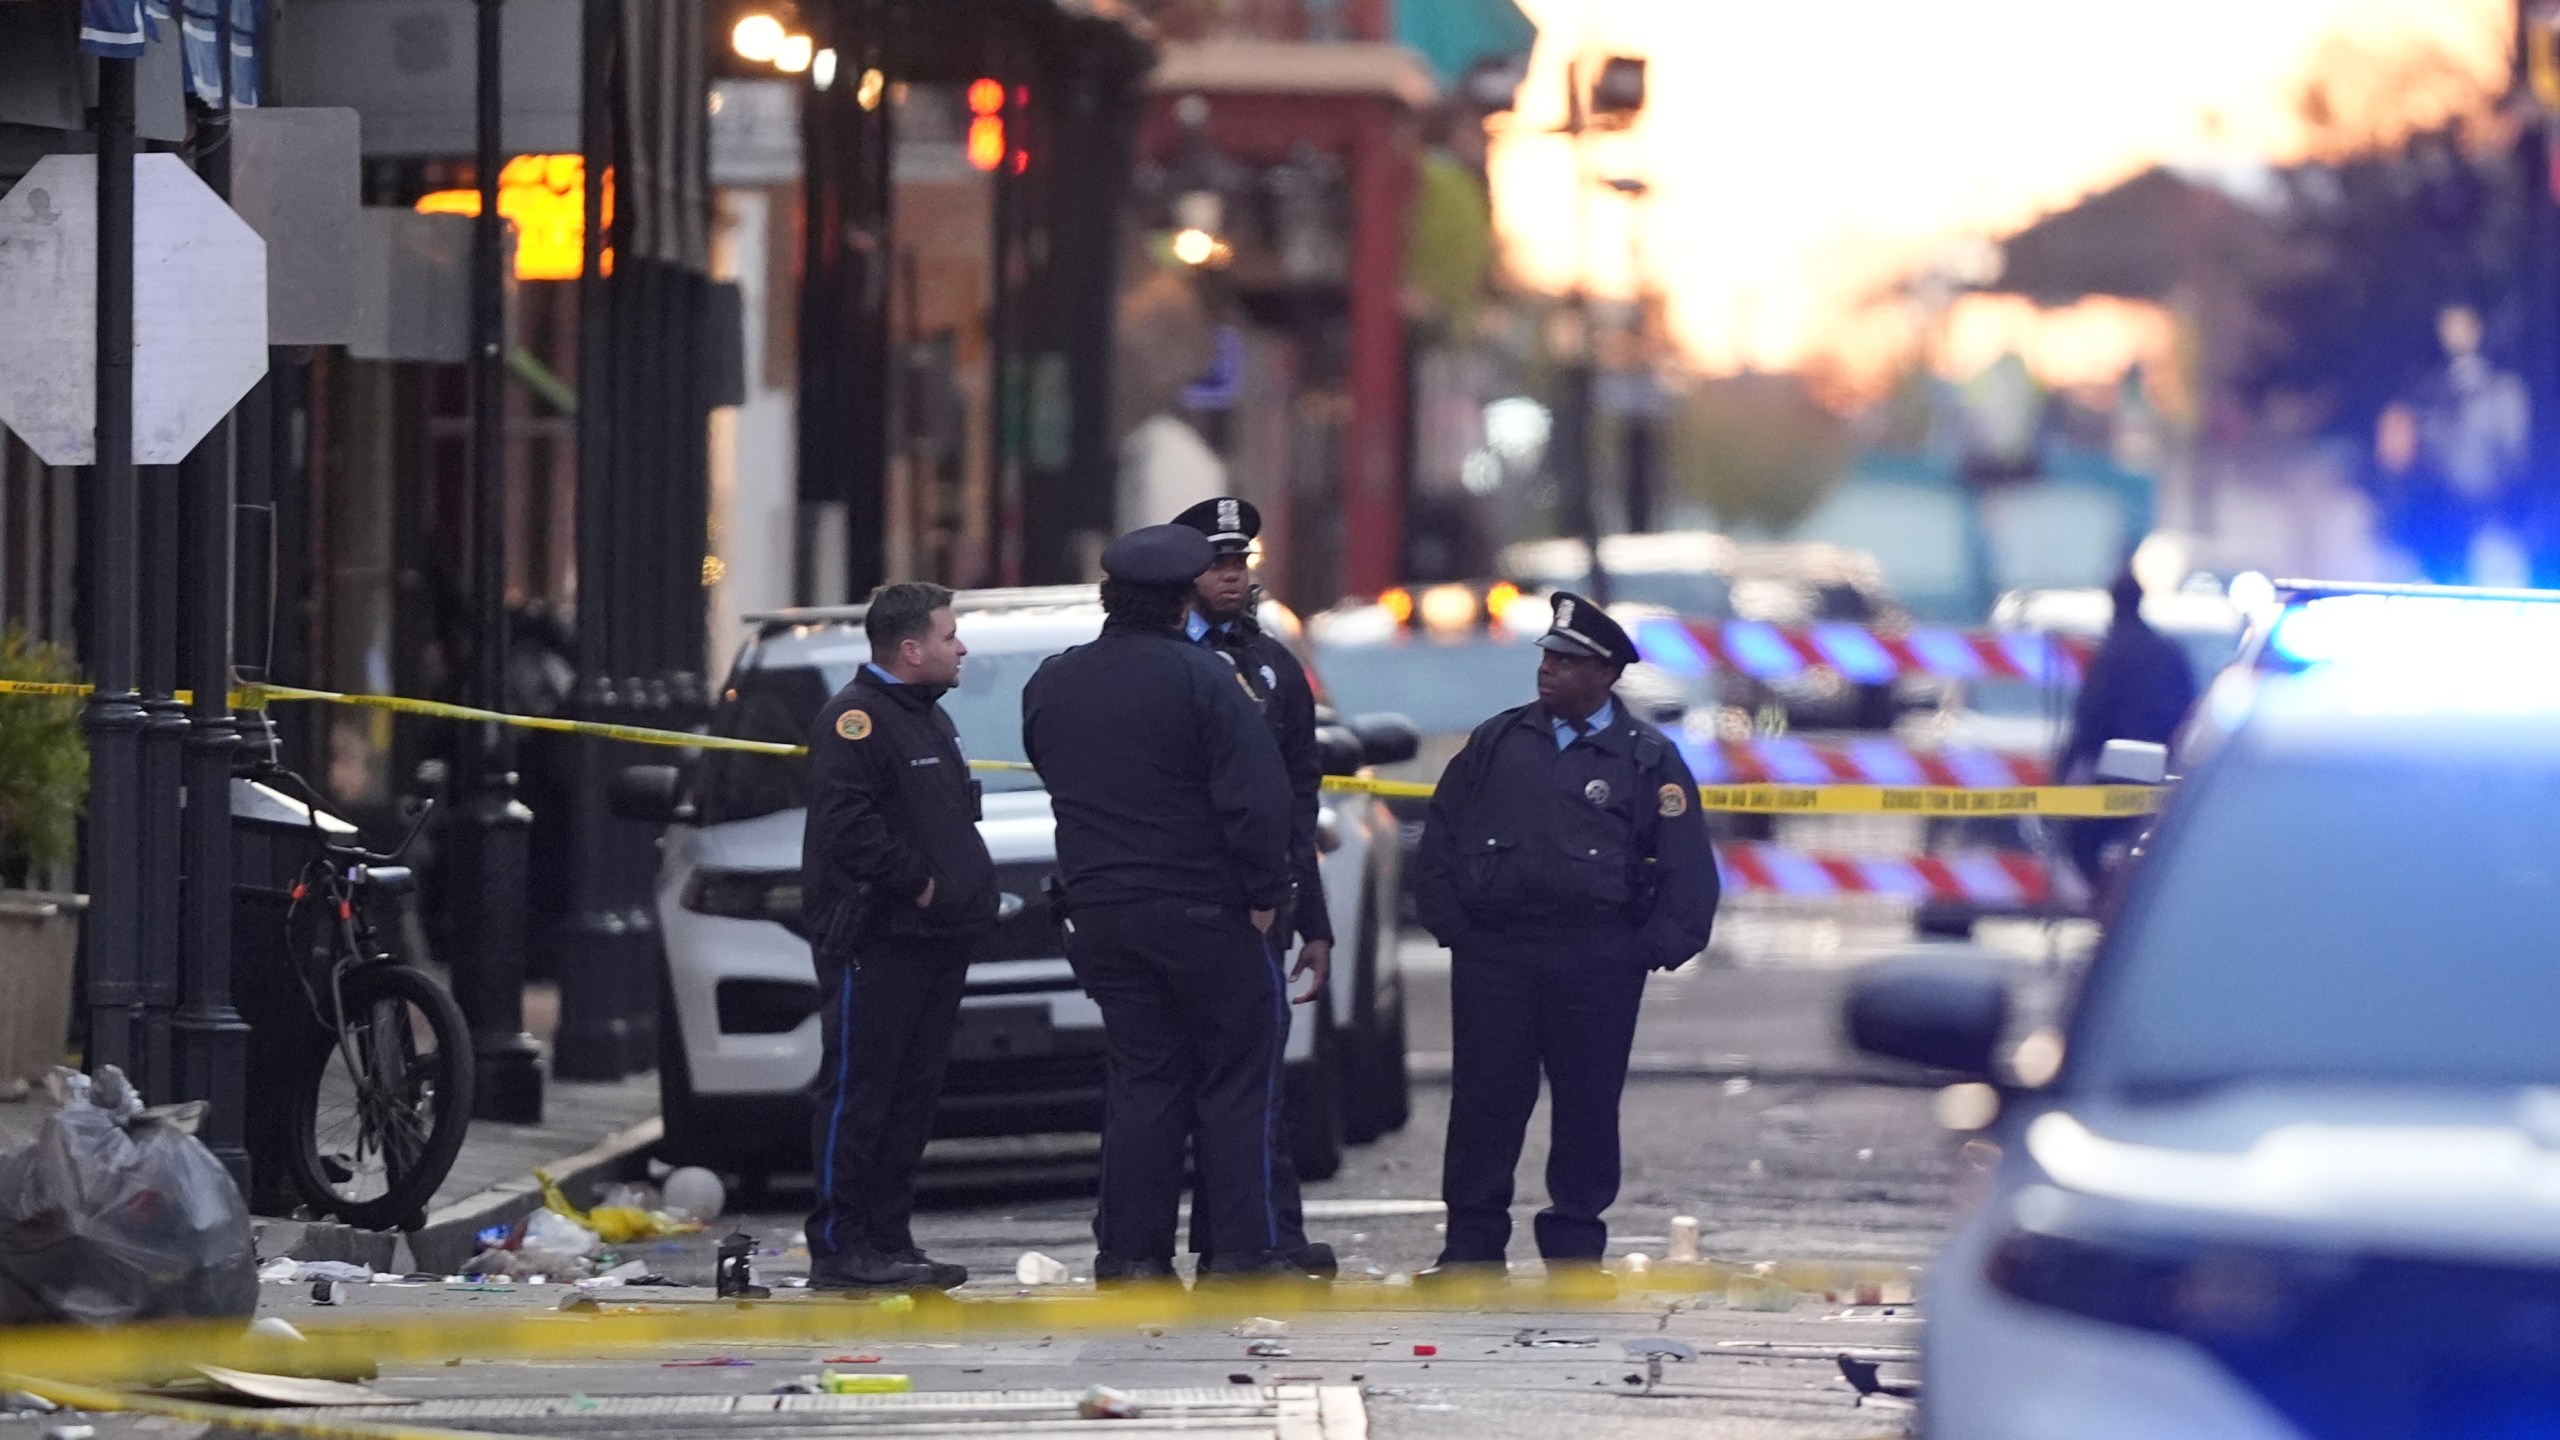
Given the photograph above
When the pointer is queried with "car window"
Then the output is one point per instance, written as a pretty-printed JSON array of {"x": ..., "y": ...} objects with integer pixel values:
[
  {"x": 1696, "y": 594},
  {"x": 781, "y": 702},
  {"x": 2384, "y": 920},
  {"x": 1444, "y": 686}
]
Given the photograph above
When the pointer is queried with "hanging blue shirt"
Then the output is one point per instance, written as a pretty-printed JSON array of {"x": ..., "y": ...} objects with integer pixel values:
[{"x": 1567, "y": 732}]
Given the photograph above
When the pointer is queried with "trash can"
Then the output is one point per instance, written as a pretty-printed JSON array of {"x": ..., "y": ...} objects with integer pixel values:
[{"x": 271, "y": 842}]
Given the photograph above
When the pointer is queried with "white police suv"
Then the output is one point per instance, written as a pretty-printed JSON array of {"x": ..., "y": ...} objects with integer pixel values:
[
  {"x": 739, "y": 1033},
  {"x": 2291, "y": 1170}
]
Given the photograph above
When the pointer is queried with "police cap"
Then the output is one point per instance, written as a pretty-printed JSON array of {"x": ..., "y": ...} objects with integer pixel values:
[
  {"x": 1157, "y": 555},
  {"x": 1584, "y": 629},
  {"x": 1231, "y": 524}
]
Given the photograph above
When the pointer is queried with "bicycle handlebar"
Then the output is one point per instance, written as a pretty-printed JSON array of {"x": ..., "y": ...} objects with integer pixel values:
[{"x": 300, "y": 789}]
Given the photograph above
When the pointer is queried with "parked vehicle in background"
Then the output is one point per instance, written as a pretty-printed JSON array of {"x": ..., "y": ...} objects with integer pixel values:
[{"x": 740, "y": 1042}]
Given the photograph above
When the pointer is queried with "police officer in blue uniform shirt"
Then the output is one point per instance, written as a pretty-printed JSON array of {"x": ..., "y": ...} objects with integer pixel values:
[
  {"x": 1223, "y": 619},
  {"x": 899, "y": 895},
  {"x": 1173, "y": 860},
  {"x": 1564, "y": 858}
]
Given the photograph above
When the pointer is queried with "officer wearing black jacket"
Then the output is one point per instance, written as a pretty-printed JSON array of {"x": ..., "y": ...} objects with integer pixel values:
[
  {"x": 1563, "y": 859},
  {"x": 1173, "y": 856},
  {"x": 899, "y": 895},
  {"x": 1222, "y": 618}
]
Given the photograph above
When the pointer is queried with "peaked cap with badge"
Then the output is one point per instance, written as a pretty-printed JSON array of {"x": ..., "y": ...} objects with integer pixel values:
[
  {"x": 1583, "y": 629},
  {"x": 1231, "y": 524}
]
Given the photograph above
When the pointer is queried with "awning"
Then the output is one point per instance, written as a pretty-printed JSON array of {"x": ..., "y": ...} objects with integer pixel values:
[
  {"x": 1457, "y": 35},
  {"x": 1281, "y": 67}
]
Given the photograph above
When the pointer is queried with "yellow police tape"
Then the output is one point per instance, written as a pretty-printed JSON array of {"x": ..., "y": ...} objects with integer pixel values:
[
  {"x": 2068, "y": 801},
  {"x": 627, "y": 1321}
]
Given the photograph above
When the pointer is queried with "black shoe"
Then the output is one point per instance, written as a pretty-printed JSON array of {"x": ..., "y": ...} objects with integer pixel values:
[
  {"x": 946, "y": 1276},
  {"x": 1314, "y": 1260},
  {"x": 1261, "y": 1268},
  {"x": 1113, "y": 1273},
  {"x": 869, "y": 1270},
  {"x": 1470, "y": 1276}
]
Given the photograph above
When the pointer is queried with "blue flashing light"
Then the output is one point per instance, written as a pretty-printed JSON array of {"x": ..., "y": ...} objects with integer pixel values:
[
  {"x": 2432, "y": 633},
  {"x": 1661, "y": 640}
]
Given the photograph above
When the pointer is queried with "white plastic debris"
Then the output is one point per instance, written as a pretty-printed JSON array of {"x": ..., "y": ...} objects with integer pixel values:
[
  {"x": 694, "y": 1193},
  {"x": 1104, "y": 1403},
  {"x": 1035, "y": 1268},
  {"x": 279, "y": 1269},
  {"x": 557, "y": 1234},
  {"x": 1261, "y": 1327},
  {"x": 271, "y": 1328},
  {"x": 1636, "y": 1263},
  {"x": 1684, "y": 1240}
]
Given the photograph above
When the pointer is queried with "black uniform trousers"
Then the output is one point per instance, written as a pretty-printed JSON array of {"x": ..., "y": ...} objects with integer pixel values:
[
  {"x": 1520, "y": 1003},
  {"x": 1195, "y": 1015},
  {"x": 888, "y": 1024},
  {"x": 1285, "y": 1197}
]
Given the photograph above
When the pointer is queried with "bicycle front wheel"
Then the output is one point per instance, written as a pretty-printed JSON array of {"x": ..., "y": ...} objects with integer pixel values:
[{"x": 381, "y": 1099}]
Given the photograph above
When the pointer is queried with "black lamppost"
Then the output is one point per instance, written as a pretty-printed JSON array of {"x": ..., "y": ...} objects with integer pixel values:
[
  {"x": 492, "y": 833},
  {"x": 114, "y": 716}
]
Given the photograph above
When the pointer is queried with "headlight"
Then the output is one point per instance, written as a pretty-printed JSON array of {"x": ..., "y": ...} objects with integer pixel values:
[
  {"x": 745, "y": 895},
  {"x": 2203, "y": 1288}
]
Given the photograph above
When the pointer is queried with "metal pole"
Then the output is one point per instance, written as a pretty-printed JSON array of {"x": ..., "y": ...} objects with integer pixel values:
[
  {"x": 164, "y": 734},
  {"x": 114, "y": 716},
  {"x": 1572, "y": 431},
  {"x": 494, "y": 829},
  {"x": 212, "y": 1041}
]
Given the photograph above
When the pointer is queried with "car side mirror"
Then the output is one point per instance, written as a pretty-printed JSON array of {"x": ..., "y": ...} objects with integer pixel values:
[
  {"x": 2133, "y": 762},
  {"x": 1947, "y": 1012},
  {"x": 1387, "y": 739},
  {"x": 649, "y": 795},
  {"x": 1339, "y": 747}
]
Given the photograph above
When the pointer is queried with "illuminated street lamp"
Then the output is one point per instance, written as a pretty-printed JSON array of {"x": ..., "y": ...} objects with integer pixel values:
[
  {"x": 758, "y": 39},
  {"x": 798, "y": 52}
]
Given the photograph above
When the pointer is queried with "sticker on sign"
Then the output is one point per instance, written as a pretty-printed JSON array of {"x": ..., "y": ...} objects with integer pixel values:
[{"x": 199, "y": 309}]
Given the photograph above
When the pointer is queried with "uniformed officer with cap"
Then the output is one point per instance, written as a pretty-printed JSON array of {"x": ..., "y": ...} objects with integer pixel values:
[
  {"x": 1223, "y": 619},
  {"x": 1563, "y": 859},
  {"x": 1173, "y": 855}
]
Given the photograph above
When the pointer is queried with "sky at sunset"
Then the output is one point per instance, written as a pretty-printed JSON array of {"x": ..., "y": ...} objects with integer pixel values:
[{"x": 1804, "y": 155}]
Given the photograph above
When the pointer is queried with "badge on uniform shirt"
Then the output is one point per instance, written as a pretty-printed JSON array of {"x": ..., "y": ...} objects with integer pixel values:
[
  {"x": 1270, "y": 678},
  {"x": 1597, "y": 792},
  {"x": 854, "y": 725},
  {"x": 1674, "y": 801}
]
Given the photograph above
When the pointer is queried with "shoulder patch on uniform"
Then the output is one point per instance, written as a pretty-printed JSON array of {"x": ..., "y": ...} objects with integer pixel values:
[
  {"x": 1673, "y": 800},
  {"x": 854, "y": 725}
]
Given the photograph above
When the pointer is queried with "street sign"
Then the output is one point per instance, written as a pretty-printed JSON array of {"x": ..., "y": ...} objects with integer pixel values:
[
  {"x": 296, "y": 177},
  {"x": 199, "y": 309}
]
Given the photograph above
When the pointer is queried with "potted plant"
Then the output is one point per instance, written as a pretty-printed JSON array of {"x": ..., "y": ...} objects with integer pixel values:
[{"x": 44, "y": 781}]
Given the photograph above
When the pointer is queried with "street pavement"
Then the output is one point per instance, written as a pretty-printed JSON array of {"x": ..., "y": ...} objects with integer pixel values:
[{"x": 1747, "y": 1112}]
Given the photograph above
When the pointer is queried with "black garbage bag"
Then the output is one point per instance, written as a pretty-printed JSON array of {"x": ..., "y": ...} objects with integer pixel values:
[{"x": 117, "y": 1213}]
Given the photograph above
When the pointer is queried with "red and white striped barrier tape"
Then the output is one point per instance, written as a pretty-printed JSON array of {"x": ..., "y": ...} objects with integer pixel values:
[
  {"x": 1858, "y": 654},
  {"x": 1988, "y": 879}
]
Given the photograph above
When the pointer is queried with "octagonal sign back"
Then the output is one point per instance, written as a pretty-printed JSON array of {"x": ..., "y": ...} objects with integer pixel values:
[{"x": 199, "y": 309}]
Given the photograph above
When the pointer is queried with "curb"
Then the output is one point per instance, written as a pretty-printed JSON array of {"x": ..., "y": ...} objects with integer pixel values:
[
  {"x": 1432, "y": 1067},
  {"x": 450, "y": 1237}
]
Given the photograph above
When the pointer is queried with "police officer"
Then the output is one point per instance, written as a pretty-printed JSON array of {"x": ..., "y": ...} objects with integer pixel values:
[
  {"x": 1564, "y": 857},
  {"x": 899, "y": 893},
  {"x": 1173, "y": 858},
  {"x": 1222, "y": 618}
]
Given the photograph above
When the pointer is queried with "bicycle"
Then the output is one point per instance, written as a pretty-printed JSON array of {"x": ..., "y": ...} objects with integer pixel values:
[{"x": 380, "y": 1091}]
